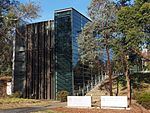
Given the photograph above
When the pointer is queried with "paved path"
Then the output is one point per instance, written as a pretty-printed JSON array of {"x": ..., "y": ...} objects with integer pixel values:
[{"x": 35, "y": 108}]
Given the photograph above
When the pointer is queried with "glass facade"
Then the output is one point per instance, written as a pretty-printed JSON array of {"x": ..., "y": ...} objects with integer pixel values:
[
  {"x": 48, "y": 59},
  {"x": 68, "y": 25},
  {"x": 78, "y": 22}
]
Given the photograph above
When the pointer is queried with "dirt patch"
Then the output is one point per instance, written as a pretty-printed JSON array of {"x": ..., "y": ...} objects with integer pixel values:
[{"x": 134, "y": 109}]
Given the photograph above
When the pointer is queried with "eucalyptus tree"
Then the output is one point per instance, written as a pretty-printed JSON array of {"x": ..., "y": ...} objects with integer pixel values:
[
  {"x": 100, "y": 30},
  {"x": 87, "y": 44},
  {"x": 103, "y": 13},
  {"x": 12, "y": 13}
]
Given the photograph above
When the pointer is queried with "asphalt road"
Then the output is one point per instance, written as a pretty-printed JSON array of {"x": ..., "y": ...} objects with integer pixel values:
[{"x": 23, "y": 110}]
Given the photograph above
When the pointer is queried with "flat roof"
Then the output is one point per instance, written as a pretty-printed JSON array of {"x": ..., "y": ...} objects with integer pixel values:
[
  {"x": 70, "y": 8},
  {"x": 40, "y": 22}
]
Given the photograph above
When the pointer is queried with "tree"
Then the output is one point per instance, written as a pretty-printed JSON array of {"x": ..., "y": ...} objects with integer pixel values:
[
  {"x": 87, "y": 44},
  {"x": 134, "y": 25},
  {"x": 12, "y": 13},
  {"x": 102, "y": 13}
]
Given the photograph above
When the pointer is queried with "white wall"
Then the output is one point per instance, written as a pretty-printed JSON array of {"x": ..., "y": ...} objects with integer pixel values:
[
  {"x": 79, "y": 101},
  {"x": 8, "y": 90}
]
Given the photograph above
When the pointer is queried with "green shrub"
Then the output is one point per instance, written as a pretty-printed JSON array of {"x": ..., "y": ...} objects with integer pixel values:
[
  {"x": 62, "y": 96},
  {"x": 143, "y": 99},
  {"x": 17, "y": 94}
]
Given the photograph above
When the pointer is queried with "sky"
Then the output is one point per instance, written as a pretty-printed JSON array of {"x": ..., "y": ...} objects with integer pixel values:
[{"x": 48, "y": 7}]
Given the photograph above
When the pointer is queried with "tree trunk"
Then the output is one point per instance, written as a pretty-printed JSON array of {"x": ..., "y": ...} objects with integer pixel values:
[
  {"x": 128, "y": 82},
  {"x": 117, "y": 87},
  {"x": 109, "y": 68}
]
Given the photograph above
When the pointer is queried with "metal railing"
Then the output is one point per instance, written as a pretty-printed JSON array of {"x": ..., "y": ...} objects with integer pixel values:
[{"x": 96, "y": 82}]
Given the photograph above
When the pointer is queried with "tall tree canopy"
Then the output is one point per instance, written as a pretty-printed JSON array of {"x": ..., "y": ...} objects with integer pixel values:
[
  {"x": 12, "y": 13},
  {"x": 134, "y": 23},
  {"x": 100, "y": 30},
  {"x": 124, "y": 27},
  {"x": 87, "y": 44},
  {"x": 133, "y": 34}
]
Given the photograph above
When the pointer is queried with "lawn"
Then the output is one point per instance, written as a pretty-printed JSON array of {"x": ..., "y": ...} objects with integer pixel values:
[{"x": 8, "y": 103}]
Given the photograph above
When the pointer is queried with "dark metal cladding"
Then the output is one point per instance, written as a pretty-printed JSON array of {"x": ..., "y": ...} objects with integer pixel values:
[
  {"x": 34, "y": 65},
  {"x": 39, "y": 60},
  {"x": 19, "y": 61}
]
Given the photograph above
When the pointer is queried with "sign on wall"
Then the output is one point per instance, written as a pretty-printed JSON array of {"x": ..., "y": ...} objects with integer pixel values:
[
  {"x": 79, "y": 101},
  {"x": 114, "y": 101}
]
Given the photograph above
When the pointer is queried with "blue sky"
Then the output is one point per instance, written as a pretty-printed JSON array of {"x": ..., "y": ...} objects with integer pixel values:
[{"x": 48, "y": 7}]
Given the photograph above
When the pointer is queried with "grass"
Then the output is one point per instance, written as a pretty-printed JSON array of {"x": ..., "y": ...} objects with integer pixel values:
[
  {"x": 8, "y": 103},
  {"x": 143, "y": 98}
]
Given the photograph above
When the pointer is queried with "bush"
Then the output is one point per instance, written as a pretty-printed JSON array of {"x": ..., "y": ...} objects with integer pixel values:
[
  {"x": 17, "y": 94},
  {"x": 143, "y": 99},
  {"x": 62, "y": 96}
]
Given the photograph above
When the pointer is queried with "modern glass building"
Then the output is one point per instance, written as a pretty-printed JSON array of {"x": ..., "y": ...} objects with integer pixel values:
[
  {"x": 50, "y": 56},
  {"x": 68, "y": 25}
]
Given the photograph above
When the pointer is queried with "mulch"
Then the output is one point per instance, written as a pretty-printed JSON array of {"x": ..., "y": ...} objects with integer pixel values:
[{"x": 133, "y": 109}]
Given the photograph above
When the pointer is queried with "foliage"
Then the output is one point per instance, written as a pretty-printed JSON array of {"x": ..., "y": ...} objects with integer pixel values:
[
  {"x": 122, "y": 81},
  {"x": 127, "y": 33},
  {"x": 97, "y": 35},
  {"x": 87, "y": 44},
  {"x": 17, "y": 94},
  {"x": 143, "y": 99},
  {"x": 133, "y": 32},
  {"x": 148, "y": 65},
  {"x": 91, "y": 40},
  {"x": 134, "y": 23},
  {"x": 16, "y": 100},
  {"x": 132, "y": 36},
  {"x": 62, "y": 96},
  {"x": 12, "y": 13}
]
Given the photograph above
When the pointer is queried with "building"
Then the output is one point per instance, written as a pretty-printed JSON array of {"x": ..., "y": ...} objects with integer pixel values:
[
  {"x": 19, "y": 64},
  {"x": 39, "y": 60},
  {"x": 49, "y": 55},
  {"x": 68, "y": 25},
  {"x": 33, "y": 60}
]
